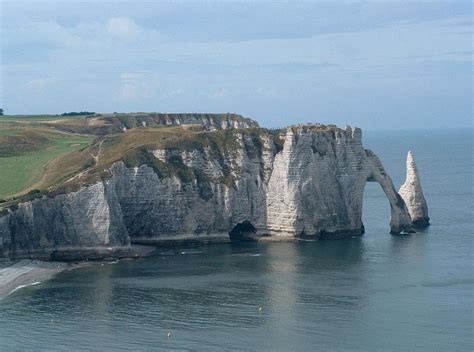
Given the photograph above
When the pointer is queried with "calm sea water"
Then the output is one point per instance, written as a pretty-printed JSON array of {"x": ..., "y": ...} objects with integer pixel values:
[{"x": 377, "y": 293}]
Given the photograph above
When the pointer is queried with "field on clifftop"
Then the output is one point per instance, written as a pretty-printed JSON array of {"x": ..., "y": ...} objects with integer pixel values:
[{"x": 26, "y": 150}]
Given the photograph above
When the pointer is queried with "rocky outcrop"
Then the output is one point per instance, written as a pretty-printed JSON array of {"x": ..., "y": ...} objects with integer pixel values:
[
  {"x": 106, "y": 124},
  {"x": 302, "y": 182},
  {"x": 87, "y": 223},
  {"x": 318, "y": 181},
  {"x": 211, "y": 193},
  {"x": 412, "y": 194},
  {"x": 210, "y": 121},
  {"x": 400, "y": 221}
]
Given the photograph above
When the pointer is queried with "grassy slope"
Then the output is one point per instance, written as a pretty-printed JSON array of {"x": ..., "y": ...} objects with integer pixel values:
[
  {"x": 25, "y": 168},
  {"x": 65, "y": 154},
  {"x": 70, "y": 160},
  {"x": 132, "y": 148}
]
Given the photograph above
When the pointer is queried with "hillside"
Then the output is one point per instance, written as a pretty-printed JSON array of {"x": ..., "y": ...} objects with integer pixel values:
[
  {"x": 26, "y": 153},
  {"x": 49, "y": 153}
]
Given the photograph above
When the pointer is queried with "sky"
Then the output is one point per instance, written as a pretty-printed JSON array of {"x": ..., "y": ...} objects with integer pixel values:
[{"x": 370, "y": 64}]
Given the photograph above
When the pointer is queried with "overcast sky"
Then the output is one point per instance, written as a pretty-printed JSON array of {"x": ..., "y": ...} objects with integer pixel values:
[{"x": 372, "y": 64}]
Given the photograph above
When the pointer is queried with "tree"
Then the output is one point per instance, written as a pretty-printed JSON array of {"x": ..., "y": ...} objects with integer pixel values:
[
  {"x": 75, "y": 113},
  {"x": 1, "y": 112}
]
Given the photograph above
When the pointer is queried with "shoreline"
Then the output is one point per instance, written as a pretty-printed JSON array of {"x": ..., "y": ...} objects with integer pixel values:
[{"x": 28, "y": 272}]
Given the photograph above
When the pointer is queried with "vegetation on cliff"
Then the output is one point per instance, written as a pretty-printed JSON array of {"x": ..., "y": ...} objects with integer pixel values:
[
  {"x": 49, "y": 154},
  {"x": 26, "y": 152}
]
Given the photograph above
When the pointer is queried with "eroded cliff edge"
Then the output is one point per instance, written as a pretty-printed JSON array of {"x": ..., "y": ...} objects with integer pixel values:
[{"x": 305, "y": 181}]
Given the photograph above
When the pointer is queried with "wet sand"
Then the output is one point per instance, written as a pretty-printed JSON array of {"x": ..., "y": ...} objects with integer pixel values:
[{"x": 27, "y": 272}]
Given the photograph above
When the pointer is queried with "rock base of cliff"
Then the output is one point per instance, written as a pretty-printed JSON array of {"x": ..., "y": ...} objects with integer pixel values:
[
  {"x": 343, "y": 234},
  {"x": 421, "y": 223},
  {"x": 277, "y": 238},
  {"x": 402, "y": 233},
  {"x": 85, "y": 253},
  {"x": 181, "y": 240}
]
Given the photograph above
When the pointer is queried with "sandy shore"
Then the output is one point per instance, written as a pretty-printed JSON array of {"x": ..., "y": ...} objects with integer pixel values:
[{"x": 27, "y": 272}]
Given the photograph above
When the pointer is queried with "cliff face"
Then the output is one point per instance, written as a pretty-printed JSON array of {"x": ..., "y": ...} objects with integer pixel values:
[
  {"x": 412, "y": 194},
  {"x": 84, "y": 223},
  {"x": 211, "y": 121},
  {"x": 106, "y": 124},
  {"x": 224, "y": 188},
  {"x": 254, "y": 187},
  {"x": 318, "y": 182}
]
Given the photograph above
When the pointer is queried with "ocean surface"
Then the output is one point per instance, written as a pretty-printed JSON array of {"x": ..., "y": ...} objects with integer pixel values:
[{"x": 376, "y": 293}]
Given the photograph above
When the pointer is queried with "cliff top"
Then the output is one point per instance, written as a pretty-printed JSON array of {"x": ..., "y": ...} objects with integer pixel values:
[
  {"x": 49, "y": 154},
  {"x": 110, "y": 123}
]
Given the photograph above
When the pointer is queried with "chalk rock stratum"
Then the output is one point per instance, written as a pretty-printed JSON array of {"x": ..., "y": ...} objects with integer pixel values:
[
  {"x": 305, "y": 181},
  {"x": 412, "y": 194}
]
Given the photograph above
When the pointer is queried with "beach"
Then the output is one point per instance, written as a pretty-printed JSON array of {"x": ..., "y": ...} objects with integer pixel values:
[{"x": 27, "y": 272}]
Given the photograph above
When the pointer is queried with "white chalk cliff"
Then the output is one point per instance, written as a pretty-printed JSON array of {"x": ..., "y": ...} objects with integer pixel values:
[
  {"x": 412, "y": 194},
  {"x": 303, "y": 182}
]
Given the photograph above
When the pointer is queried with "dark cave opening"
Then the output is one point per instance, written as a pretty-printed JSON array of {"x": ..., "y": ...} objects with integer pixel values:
[{"x": 243, "y": 231}]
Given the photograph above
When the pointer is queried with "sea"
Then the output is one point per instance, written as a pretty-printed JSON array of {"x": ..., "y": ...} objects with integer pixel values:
[{"x": 374, "y": 293}]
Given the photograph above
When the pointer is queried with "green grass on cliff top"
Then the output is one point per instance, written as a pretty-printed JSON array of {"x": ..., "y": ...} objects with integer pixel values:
[{"x": 26, "y": 151}]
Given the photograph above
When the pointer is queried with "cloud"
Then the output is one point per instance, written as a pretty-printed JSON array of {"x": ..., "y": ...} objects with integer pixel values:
[
  {"x": 136, "y": 86},
  {"x": 262, "y": 59},
  {"x": 38, "y": 86},
  {"x": 42, "y": 39},
  {"x": 271, "y": 92},
  {"x": 220, "y": 93},
  {"x": 172, "y": 94},
  {"x": 464, "y": 55},
  {"x": 122, "y": 28},
  {"x": 225, "y": 93}
]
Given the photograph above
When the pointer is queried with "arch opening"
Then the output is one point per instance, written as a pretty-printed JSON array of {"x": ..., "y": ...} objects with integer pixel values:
[
  {"x": 243, "y": 231},
  {"x": 376, "y": 208},
  {"x": 400, "y": 221}
]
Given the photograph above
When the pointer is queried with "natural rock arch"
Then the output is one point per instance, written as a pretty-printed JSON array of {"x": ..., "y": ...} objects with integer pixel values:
[{"x": 400, "y": 220}]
